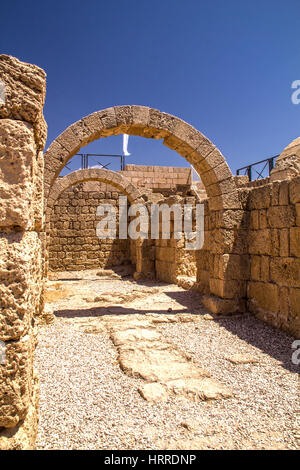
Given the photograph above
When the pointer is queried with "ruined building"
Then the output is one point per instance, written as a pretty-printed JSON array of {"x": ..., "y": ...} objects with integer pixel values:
[{"x": 250, "y": 260}]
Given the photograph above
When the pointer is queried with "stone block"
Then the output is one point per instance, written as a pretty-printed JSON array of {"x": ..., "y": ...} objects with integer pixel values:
[
  {"x": 295, "y": 302},
  {"x": 284, "y": 193},
  {"x": 232, "y": 266},
  {"x": 265, "y": 268},
  {"x": 255, "y": 268},
  {"x": 16, "y": 380},
  {"x": 265, "y": 295},
  {"x": 285, "y": 271},
  {"x": 219, "y": 306},
  {"x": 281, "y": 216},
  {"x": 295, "y": 242},
  {"x": 25, "y": 89},
  {"x": 260, "y": 242},
  {"x": 227, "y": 289},
  {"x": 17, "y": 190},
  {"x": 260, "y": 198},
  {"x": 23, "y": 435},
  {"x": 38, "y": 194},
  {"x": 254, "y": 220},
  {"x": 297, "y": 206},
  {"x": 284, "y": 242},
  {"x": 20, "y": 282},
  {"x": 295, "y": 190}
]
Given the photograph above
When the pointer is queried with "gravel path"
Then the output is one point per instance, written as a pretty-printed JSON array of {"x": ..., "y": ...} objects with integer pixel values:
[{"x": 87, "y": 402}]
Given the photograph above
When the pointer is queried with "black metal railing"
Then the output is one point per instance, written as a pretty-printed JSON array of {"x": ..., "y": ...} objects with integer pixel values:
[
  {"x": 262, "y": 169},
  {"x": 89, "y": 160},
  {"x": 86, "y": 156}
]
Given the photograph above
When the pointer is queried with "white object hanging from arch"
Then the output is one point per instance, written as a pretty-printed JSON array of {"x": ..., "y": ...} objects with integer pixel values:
[{"x": 125, "y": 145}]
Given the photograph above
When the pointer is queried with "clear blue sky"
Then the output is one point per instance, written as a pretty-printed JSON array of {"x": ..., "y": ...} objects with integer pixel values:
[{"x": 224, "y": 66}]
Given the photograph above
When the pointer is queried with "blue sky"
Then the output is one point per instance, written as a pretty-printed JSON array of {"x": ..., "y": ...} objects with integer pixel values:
[{"x": 224, "y": 66}]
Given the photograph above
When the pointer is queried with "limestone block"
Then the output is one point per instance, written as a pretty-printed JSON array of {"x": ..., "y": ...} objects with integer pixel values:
[
  {"x": 284, "y": 242},
  {"x": 69, "y": 140},
  {"x": 260, "y": 242},
  {"x": 234, "y": 267},
  {"x": 202, "y": 284},
  {"x": 285, "y": 271},
  {"x": 223, "y": 240},
  {"x": 284, "y": 193},
  {"x": 286, "y": 167},
  {"x": 254, "y": 219},
  {"x": 17, "y": 191},
  {"x": 187, "y": 134},
  {"x": 255, "y": 268},
  {"x": 284, "y": 302},
  {"x": 153, "y": 392},
  {"x": 25, "y": 89},
  {"x": 23, "y": 436},
  {"x": 20, "y": 282},
  {"x": 109, "y": 121},
  {"x": 227, "y": 289},
  {"x": 38, "y": 202},
  {"x": 260, "y": 198},
  {"x": 295, "y": 241},
  {"x": 16, "y": 376},
  {"x": 295, "y": 190},
  {"x": 219, "y": 306},
  {"x": 198, "y": 389},
  {"x": 265, "y": 295},
  {"x": 232, "y": 219},
  {"x": 265, "y": 268},
  {"x": 226, "y": 201},
  {"x": 140, "y": 119},
  {"x": 281, "y": 216},
  {"x": 297, "y": 206},
  {"x": 295, "y": 302}
]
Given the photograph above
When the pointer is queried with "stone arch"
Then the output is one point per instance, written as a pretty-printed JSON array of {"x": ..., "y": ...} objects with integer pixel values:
[
  {"x": 80, "y": 176},
  {"x": 150, "y": 123},
  {"x": 91, "y": 174}
]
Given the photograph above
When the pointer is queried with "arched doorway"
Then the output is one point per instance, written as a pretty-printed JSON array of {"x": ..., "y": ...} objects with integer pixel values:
[
  {"x": 224, "y": 212},
  {"x": 111, "y": 178}
]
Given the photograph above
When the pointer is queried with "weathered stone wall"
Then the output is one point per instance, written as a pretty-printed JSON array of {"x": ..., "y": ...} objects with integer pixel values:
[
  {"x": 157, "y": 177},
  {"x": 273, "y": 289},
  {"x": 219, "y": 182},
  {"x": 250, "y": 258},
  {"x": 74, "y": 244},
  {"x": 172, "y": 259},
  {"x": 238, "y": 267},
  {"x": 22, "y": 138}
]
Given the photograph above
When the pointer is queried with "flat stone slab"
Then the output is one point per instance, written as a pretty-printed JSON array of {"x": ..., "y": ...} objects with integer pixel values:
[
  {"x": 196, "y": 389},
  {"x": 155, "y": 365},
  {"x": 133, "y": 335},
  {"x": 144, "y": 353},
  {"x": 199, "y": 389},
  {"x": 242, "y": 358},
  {"x": 154, "y": 392}
]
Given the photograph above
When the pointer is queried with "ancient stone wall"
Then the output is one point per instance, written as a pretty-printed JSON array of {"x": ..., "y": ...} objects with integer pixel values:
[
  {"x": 22, "y": 139},
  {"x": 74, "y": 244},
  {"x": 273, "y": 290},
  {"x": 250, "y": 259},
  {"x": 157, "y": 177},
  {"x": 219, "y": 182},
  {"x": 172, "y": 259}
]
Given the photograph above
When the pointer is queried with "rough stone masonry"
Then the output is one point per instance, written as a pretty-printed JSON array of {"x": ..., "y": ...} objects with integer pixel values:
[
  {"x": 250, "y": 259},
  {"x": 22, "y": 138}
]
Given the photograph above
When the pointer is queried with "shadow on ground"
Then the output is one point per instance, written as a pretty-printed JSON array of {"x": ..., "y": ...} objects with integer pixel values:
[{"x": 269, "y": 340}]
